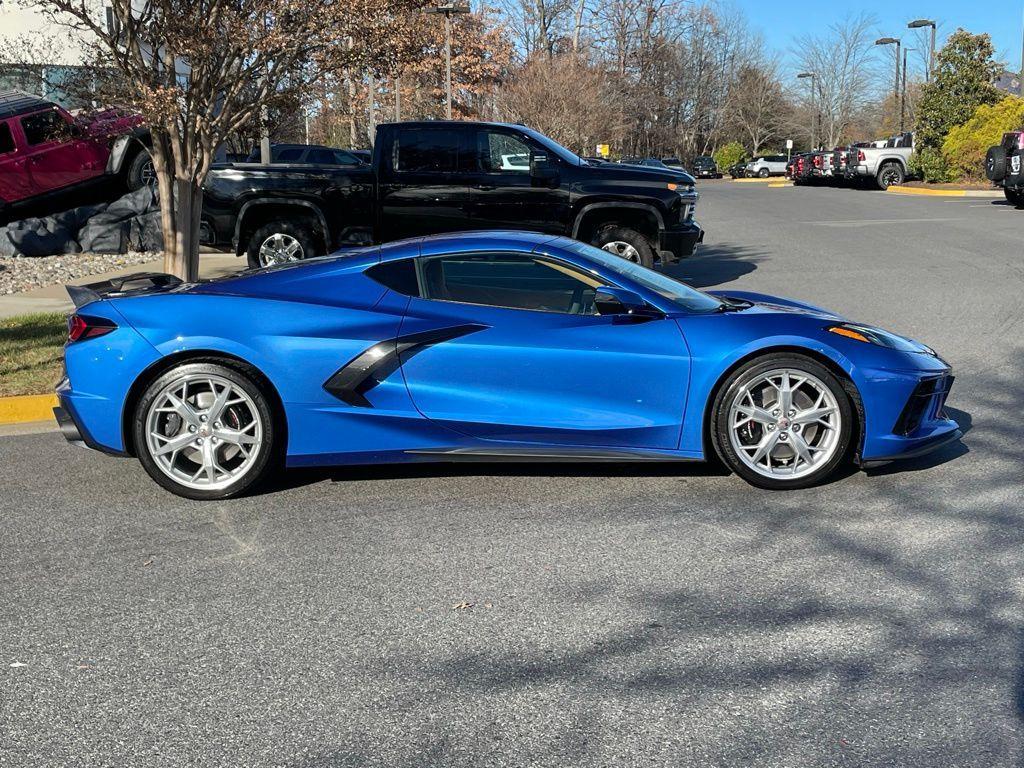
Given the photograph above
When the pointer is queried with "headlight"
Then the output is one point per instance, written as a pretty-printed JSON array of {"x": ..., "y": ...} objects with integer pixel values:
[{"x": 870, "y": 335}]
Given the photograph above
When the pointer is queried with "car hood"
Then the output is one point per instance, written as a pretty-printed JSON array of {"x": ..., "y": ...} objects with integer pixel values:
[
  {"x": 765, "y": 303},
  {"x": 626, "y": 172}
]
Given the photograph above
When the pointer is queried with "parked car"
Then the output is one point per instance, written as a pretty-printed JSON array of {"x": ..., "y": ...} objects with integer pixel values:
[
  {"x": 307, "y": 154},
  {"x": 430, "y": 177},
  {"x": 764, "y": 166},
  {"x": 886, "y": 165},
  {"x": 705, "y": 167},
  {"x": 46, "y": 151},
  {"x": 1005, "y": 167},
  {"x": 803, "y": 168},
  {"x": 502, "y": 346},
  {"x": 675, "y": 164},
  {"x": 738, "y": 170}
]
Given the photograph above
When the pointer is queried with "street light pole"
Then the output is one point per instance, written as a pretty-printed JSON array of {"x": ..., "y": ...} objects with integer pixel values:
[
  {"x": 917, "y": 24},
  {"x": 890, "y": 41},
  {"x": 811, "y": 76},
  {"x": 447, "y": 11},
  {"x": 903, "y": 91}
]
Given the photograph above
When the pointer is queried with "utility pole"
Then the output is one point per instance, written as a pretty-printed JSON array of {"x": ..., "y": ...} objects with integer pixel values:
[
  {"x": 447, "y": 11},
  {"x": 398, "y": 98},
  {"x": 890, "y": 41},
  {"x": 371, "y": 89}
]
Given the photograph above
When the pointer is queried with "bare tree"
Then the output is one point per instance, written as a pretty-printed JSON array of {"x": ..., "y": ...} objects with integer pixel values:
[
  {"x": 757, "y": 105},
  {"x": 842, "y": 62}
]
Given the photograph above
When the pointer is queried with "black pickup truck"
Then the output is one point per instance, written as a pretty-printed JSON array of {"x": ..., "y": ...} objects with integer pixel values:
[{"x": 432, "y": 177}]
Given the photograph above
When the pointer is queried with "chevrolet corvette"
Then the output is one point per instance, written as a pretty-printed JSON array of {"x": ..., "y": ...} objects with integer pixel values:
[{"x": 497, "y": 346}]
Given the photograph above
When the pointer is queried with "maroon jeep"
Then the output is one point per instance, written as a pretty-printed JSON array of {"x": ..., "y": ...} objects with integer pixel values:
[{"x": 45, "y": 150}]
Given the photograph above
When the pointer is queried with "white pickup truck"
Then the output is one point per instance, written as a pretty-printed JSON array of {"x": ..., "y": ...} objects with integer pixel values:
[{"x": 886, "y": 163}]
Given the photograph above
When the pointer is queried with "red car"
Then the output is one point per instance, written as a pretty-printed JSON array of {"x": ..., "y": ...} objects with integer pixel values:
[{"x": 45, "y": 150}]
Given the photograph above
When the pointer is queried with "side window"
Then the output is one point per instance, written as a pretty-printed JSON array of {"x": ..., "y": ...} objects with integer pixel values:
[
  {"x": 290, "y": 155},
  {"x": 426, "y": 150},
  {"x": 43, "y": 127},
  {"x": 344, "y": 158},
  {"x": 398, "y": 275},
  {"x": 511, "y": 281},
  {"x": 6, "y": 139},
  {"x": 502, "y": 153}
]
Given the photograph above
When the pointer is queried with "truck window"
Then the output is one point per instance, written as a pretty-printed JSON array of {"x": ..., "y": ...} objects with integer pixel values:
[
  {"x": 6, "y": 139},
  {"x": 502, "y": 153},
  {"x": 426, "y": 150},
  {"x": 43, "y": 127}
]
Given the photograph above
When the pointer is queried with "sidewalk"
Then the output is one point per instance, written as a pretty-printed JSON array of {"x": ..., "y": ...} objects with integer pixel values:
[{"x": 54, "y": 298}]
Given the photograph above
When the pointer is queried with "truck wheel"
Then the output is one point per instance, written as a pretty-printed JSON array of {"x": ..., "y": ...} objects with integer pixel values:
[
  {"x": 140, "y": 172},
  {"x": 764, "y": 173},
  {"x": 627, "y": 243},
  {"x": 279, "y": 242},
  {"x": 1014, "y": 196},
  {"x": 889, "y": 175}
]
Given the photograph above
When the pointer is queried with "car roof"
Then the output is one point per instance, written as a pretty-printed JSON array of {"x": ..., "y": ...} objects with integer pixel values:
[{"x": 14, "y": 103}]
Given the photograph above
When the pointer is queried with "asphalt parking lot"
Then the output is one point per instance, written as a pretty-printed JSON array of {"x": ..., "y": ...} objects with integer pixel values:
[{"x": 485, "y": 615}]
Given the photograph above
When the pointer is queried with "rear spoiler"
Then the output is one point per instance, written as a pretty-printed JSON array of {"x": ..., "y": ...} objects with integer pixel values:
[{"x": 140, "y": 282}]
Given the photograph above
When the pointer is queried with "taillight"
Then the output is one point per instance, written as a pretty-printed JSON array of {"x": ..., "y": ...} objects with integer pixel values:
[
  {"x": 860, "y": 156},
  {"x": 817, "y": 161},
  {"x": 85, "y": 327}
]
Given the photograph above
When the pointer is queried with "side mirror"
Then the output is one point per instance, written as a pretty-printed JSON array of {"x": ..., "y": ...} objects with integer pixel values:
[
  {"x": 543, "y": 173},
  {"x": 619, "y": 301}
]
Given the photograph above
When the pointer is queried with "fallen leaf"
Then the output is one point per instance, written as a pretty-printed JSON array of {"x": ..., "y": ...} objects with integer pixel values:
[
  {"x": 148, "y": 563},
  {"x": 462, "y": 606}
]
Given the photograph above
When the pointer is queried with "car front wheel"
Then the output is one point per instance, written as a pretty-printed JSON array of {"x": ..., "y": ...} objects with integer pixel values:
[
  {"x": 626, "y": 243},
  {"x": 205, "y": 430},
  {"x": 782, "y": 421}
]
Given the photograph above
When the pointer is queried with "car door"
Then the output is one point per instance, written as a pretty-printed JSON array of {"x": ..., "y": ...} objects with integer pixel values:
[
  {"x": 424, "y": 181},
  {"x": 15, "y": 182},
  {"x": 518, "y": 354},
  {"x": 56, "y": 152},
  {"x": 503, "y": 192}
]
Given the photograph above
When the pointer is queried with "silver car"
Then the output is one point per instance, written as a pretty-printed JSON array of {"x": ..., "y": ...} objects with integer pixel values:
[{"x": 767, "y": 165}]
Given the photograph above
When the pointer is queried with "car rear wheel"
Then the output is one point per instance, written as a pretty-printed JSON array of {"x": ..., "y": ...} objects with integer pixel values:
[
  {"x": 626, "y": 243},
  {"x": 782, "y": 421},
  {"x": 889, "y": 175},
  {"x": 205, "y": 431},
  {"x": 279, "y": 242}
]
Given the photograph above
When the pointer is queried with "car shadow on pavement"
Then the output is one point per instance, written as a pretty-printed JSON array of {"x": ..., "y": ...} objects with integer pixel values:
[{"x": 715, "y": 265}]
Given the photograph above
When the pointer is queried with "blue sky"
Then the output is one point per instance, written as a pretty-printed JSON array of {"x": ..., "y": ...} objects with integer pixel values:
[{"x": 999, "y": 18}]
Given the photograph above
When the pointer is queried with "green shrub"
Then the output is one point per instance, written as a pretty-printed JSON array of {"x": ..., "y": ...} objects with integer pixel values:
[
  {"x": 729, "y": 154},
  {"x": 930, "y": 165},
  {"x": 965, "y": 145}
]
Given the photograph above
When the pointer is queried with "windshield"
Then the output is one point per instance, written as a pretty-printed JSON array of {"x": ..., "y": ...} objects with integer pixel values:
[
  {"x": 554, "y": 146},
  {"x": 675, "y": 291}
]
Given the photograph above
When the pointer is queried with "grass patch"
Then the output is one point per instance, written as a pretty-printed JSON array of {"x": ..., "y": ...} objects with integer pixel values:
[{"x": 31, "y": 351}]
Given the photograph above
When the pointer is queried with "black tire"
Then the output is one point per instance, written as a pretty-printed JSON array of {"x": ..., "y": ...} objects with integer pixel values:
[
  {"x": 140, "y": 171},
  {"x": 764, "y": 173},
  {"x": 298, "y": 231},
  {"x": 616, "y": 234},
  {"x": 889, "y": 175},
  {"x": 719, "y": 423},
  {"x": 240, "y": 376},
  {"x": 1014, "y": 196},
  {"x": 995, "y": 163}
]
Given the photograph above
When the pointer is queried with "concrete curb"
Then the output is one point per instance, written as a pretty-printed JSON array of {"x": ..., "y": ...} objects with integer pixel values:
[
  {"x": 777, "y": 184},
  {"x": 25, "y": 408},
  {"x": 984, "y": 193},
  {"x": 753, "y": 181}
]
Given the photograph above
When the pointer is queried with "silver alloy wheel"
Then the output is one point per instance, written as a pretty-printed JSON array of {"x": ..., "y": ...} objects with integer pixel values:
[
  {"x": 784, "y": 423},
  {"x": 622, "y": 249},
  {"x": 204, "y": 431},
  {"x": 279, "y": 248},
  {"x": 890, "y": 177}
]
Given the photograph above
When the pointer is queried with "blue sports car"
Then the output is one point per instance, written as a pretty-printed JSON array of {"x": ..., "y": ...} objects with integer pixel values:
[{"x": 494, "y": 345}]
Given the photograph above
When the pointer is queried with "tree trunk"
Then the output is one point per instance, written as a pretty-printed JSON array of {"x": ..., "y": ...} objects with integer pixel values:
[{"x": 180, "y": 223}]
